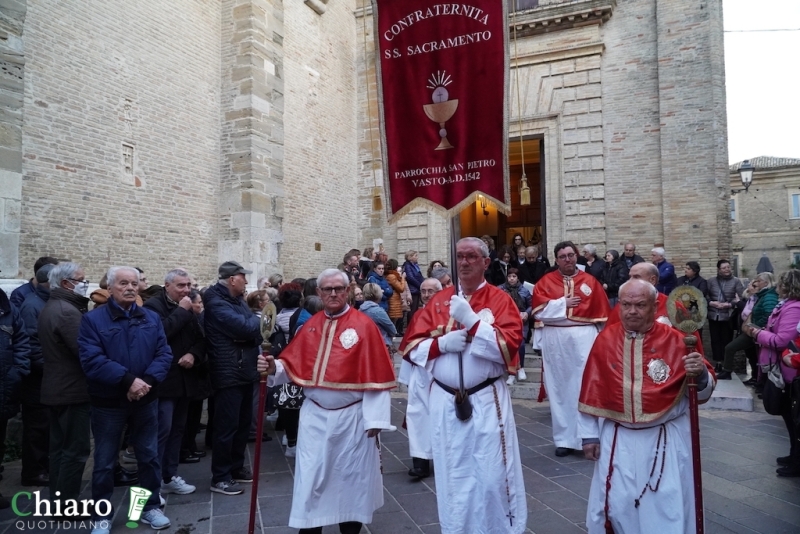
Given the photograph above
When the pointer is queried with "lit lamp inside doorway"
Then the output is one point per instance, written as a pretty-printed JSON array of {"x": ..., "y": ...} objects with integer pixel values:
[{"x": 483, "y": 203}]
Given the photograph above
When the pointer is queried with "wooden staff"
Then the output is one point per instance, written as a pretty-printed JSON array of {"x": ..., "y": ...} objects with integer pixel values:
[
  {"x": 262, "y": 397},
  {"x": 690, "y": 319},
  {"x": 694, "y": 423}
]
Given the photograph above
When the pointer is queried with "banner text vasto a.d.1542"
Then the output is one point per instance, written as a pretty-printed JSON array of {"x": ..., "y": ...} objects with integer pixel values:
[{"x": 442, "y": 77}]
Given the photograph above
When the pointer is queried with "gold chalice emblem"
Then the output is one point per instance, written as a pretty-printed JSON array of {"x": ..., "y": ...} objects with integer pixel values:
[{"x": 442, "y": 109}]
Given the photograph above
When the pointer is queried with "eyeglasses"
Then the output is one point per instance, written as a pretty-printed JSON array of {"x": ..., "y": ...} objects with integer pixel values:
[
  {"x": 566, "y": 257},
  {"x": 74, "y": 281},
  {"x": 469, "y": 258},
  {"x": 333, "y": 290}
]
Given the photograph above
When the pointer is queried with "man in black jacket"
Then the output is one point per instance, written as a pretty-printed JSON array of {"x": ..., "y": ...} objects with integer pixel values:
[
  {"x": 35, "y": 422},
  {"x": 63, "y": 382},
  {"x": 185, "y": 339},
  {"x": 233, "y": 336},
  {"x": 630, "y": 257},
  {"x": 535, "y": 266}
]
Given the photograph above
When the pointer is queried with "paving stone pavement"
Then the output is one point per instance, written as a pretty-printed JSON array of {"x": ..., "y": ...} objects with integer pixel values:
[{"x": 742, "y": 493}]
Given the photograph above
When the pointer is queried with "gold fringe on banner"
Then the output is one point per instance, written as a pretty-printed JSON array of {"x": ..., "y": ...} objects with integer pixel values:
[{"x": 452, "y": 212}]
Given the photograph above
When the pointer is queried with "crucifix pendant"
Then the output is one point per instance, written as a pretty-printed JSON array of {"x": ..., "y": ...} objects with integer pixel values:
[{"x": 510, "y": 517}]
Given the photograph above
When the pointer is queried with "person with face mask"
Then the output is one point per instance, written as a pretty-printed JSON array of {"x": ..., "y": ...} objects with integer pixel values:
[{"x": 63, "y": 381}]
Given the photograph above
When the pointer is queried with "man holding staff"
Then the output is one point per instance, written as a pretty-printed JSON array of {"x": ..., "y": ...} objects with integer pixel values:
[
  {"x": 471, "y": 338},
  {"x": 634, "y": 421}
]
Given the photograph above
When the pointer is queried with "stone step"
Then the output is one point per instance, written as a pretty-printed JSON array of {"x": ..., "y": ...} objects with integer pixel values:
[{"x": 730, "y": 395}]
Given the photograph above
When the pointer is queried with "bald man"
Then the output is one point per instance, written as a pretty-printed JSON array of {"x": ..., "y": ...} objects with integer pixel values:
[{"x": 632, "y": 420}]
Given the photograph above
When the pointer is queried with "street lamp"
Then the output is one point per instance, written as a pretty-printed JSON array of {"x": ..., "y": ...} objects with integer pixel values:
[{"x": 746, "y": 174}]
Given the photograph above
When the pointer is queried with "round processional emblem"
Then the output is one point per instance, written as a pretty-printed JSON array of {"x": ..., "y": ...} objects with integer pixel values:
[
  {"x": 486, "y": 316},
  {"x": 348, "y": 338},
  {"x": 687, "y": 309},
  {"x": 658, "y": 371}
]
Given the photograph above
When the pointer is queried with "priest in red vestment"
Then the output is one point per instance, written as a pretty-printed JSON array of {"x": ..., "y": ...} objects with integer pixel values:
[
  {"x": 477, "y": 464},
  {"x": 339, "y": 358},
  {"x": 634, "y": 421},
  {"x": 569, "y": 307}
]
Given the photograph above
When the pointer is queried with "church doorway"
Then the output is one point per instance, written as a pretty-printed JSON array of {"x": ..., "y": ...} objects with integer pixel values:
[{"x": 483, "y": 219}]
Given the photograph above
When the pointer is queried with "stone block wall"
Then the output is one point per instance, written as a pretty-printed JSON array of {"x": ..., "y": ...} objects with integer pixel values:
[
  {"x": 12, "y": 68},
  {"x": 321, "y": 163},
  {"x": 104, "y": 79}
]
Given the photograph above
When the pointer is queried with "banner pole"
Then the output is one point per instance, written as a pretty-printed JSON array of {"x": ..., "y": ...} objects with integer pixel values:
[{"x": 455, "y": 235}]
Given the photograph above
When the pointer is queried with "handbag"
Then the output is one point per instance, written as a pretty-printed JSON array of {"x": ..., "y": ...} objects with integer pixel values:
[
  {"x": 288, "y": 396},
  {"x": 774, "y": 389}
]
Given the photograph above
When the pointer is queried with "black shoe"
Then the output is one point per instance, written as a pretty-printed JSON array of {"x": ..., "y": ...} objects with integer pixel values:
[
  {"x": 563, "y": 451},
  {"x": 243, "y": 475},
  {"x": 421, "y": 469},
  {"x": 264, "y": 437},
  {"x": 199, "y": 454},
  {"x": 189, "y": 459},
  {"x": 4, "y": 502},
  {"x": 718, "y": 367},
  {"x": 788, "y": 471},
  {"x": 752, "y": 382},
  {"x": 125, "y": 477},
  {"x": 724, "y": 375},
  {"x": 39, "y": 480},
  {"x": 783, "y": 460}
]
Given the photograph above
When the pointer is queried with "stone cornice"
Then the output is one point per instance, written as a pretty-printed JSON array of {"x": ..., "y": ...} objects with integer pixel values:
[{"x": 557, "y": 15}]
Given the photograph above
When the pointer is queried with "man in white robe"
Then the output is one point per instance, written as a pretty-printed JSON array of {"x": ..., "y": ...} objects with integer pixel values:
[
  {"x": 479, "y": 484},
  {"x": 419, "y": 382},
  {"x": 339, "y": 358},
  {"x": 639, "y": 421},
  {"x": 569, "y": 307}
]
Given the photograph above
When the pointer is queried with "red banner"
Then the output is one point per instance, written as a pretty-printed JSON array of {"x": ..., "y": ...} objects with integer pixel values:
[{"x": 442, "y": 79}]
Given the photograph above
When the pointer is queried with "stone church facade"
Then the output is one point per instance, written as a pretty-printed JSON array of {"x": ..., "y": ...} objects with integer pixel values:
[{"x": 190, "y": 132}]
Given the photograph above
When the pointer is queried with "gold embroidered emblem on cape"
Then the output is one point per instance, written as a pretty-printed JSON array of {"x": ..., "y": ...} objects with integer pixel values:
[
  {"x": 348, "y": 338},
  {"x": 658, "y": 371}
]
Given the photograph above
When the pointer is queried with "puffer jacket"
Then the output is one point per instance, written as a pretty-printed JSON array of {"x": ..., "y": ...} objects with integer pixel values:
[
  {"x": 116, "y": 347},
  {"x": 233, "y": 338},
  {"x": 29, "y": 311},
  {"x": 184, "y": 336},
  {"x": 375, "y": 278},
  {"x": 396, "y": 300},
  {"x": 14, "y": 357},
  {"x": 767, "y": 300}
]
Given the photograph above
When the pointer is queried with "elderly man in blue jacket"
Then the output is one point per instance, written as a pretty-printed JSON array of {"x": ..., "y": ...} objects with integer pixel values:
[
  {"x": 233, "y": 342},
  {"x": 124, "y": 353}
]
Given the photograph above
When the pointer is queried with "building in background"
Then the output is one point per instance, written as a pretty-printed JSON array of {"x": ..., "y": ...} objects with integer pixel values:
[
  {"x": 765, "y": 219},
  {"x": 190, "y": 132}
]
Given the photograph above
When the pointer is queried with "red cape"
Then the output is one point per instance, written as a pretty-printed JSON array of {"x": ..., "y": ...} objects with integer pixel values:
[
  {"x": 621, "y": 380},
  {"x": 553, "y": 286},
  {"x": 434, "y": 320},
  {"x": 345, "y": 352}
]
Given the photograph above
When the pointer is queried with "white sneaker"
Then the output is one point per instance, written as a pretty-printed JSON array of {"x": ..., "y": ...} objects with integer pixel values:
[
  {"x": 521, "y": 374},
  {"x": 177, "y": 485},
  {"x": 162, "y": 501},
  {"x": 285, "y": 441},
  {"x": 291, "y": 452},
  {"x": 511, "y": 380},
  {"x": 273, "y": 416},
  {"x": 156, "y": 519}
]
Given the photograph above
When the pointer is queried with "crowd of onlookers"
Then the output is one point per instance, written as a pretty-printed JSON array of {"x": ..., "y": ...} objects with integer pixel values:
[{"x": 137, "y": 371}]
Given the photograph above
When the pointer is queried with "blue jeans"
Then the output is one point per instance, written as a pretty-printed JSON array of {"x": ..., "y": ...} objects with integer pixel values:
[
  {"x": 107, "y": 427},
  {"x": 171, "y": 425}
]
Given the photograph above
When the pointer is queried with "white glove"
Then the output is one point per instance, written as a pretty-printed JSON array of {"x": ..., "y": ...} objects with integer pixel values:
[
  {"x": 455, "y": 341},
  {"x": 461, "y": 311}
]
